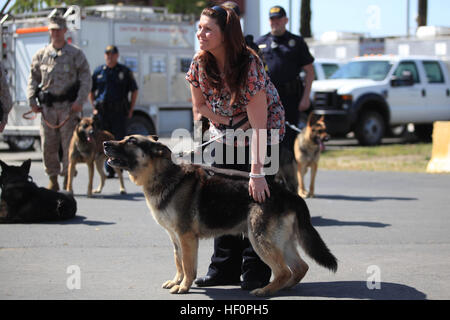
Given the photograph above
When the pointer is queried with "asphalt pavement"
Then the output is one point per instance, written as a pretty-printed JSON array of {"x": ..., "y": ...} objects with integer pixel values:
[{"x": 389, "y": 231}]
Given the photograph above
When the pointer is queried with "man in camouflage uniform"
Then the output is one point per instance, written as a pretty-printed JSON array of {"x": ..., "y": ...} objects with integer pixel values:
[
  {"x": 61, "y": 72},
  {"x": 5, "y": 98}
]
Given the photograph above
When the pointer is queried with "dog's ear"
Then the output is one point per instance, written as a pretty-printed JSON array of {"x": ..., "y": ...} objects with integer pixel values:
[
  {"x": 3, "y": 165},
  {"x": 311, "y": 119},
  {"x": 159, "y": 150},
  {"x": 26, "y": 165}
]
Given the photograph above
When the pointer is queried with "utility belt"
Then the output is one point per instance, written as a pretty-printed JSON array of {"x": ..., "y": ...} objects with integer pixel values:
[
  {"x": 293, "y": 87},
  {"x": 46, "y": 98}
]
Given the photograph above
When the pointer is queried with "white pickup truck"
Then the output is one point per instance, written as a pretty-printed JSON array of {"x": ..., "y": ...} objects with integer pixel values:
[{"x": 369, "y": 95}]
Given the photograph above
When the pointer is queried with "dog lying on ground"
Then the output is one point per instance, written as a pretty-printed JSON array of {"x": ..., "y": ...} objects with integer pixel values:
[
  {"x": 22, "y": 201},
  {"x": 193, "y": 202},
  {"x": 87, "y": 146},
  {"x": 294, "y": 163}
]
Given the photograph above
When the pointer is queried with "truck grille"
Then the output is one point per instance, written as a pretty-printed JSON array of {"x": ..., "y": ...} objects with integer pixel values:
[{"x": 327, "y": 100}]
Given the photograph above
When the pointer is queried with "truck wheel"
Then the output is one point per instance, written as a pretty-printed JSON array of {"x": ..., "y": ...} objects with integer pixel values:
[
  {"x": 140, "y": 125},
  {"x": 423, "y": 132},
  {"x": 20, "y": 143},
  {"x": 370, "y": 128}
]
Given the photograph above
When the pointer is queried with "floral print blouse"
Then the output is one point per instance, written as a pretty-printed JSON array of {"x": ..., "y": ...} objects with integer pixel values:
[{"x": 219, "y": 103}]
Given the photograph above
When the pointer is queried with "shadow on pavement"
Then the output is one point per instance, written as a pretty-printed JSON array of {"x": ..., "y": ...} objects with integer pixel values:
[
  {"x": 135, "y": 196},
  {"x": 81, "y": 220},
  {"x": 318, "y": 221},
  {"x": 361, "y": 198},
  {"x": 333, "y": 290}
]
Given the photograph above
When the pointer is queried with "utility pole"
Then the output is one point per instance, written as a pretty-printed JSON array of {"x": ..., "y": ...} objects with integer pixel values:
[{"x": 407, "y": 18}]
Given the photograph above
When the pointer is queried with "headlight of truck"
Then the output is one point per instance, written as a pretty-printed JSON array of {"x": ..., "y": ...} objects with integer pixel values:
[{"x": 346, "y": 101}]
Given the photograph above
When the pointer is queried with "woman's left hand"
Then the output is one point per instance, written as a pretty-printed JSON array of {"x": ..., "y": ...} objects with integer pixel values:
[{"x": 258, "y": 189}]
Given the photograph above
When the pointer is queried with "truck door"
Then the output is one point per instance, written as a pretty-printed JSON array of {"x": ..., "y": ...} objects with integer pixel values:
[
  {"x": 437, "y": 92},
  {"x": 407, "y": 102}
]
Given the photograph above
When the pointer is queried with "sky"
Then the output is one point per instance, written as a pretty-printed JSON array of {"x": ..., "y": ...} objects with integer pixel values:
[{"x": 375, "y": 18}]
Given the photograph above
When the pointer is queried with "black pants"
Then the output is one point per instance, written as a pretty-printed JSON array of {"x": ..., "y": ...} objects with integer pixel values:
[
  {"x": 116, "y": 123},
  {"x": 292, "y": 114},
  {"x": 234, "y": 255}
]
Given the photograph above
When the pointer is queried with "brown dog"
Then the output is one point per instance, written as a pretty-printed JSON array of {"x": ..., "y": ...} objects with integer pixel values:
[
  {"x": 87, "y": 146},
  {"x": 307, "y": 148}
]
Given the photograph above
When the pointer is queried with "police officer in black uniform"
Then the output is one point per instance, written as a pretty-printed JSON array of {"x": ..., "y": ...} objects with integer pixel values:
[
  {"x": 286, "y": 55},
  {"x": 111, "y": 84}
]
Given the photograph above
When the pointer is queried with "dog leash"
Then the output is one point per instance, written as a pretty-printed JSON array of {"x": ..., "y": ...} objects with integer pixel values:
[
  {"x": 27, "y": 117},
  {"x": 293, "y": 127},
  {"x": 182, "y": 154}
]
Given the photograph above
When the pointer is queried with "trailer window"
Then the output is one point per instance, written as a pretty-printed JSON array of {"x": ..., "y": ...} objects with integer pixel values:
[
  {"x": 185, "y": 64},
  {"x": 158, "y": 64},
  {"x": 433, "y": 71},
  {"x": 132, "y": 63}
]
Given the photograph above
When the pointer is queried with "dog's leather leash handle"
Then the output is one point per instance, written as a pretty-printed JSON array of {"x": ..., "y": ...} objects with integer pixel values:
[{"x": 27, "y": 117}]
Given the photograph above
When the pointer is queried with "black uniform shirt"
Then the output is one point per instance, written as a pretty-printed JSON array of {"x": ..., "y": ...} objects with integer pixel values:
[
  {"x": 113, "y": 84},
  {"x": 285, "y": 56}
]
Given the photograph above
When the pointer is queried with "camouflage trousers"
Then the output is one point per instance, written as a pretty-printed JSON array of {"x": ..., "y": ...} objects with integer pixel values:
[{"x": 54, "y": 139}]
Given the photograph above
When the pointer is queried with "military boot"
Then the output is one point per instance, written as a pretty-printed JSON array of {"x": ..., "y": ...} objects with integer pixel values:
[{"x": 53, "y": 184}]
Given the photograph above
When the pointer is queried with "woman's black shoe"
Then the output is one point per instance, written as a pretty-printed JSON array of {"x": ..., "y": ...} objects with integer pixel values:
[{"x": 210, "y": 281}]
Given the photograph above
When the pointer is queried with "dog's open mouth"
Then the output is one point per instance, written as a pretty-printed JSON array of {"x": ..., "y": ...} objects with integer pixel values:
[{"x": 114, "y": 158}]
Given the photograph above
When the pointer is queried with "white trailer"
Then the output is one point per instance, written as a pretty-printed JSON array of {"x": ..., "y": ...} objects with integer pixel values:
[{"x": 157, "y": 46}]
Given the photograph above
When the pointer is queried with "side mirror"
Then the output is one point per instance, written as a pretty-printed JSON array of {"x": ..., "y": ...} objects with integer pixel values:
[{"x": 406, "y": 79}]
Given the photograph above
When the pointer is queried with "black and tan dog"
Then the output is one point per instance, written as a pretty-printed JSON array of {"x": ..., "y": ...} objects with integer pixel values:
[
  {"x": 193, "y": 202},
  {"x": 294, "y": 163},
  {"x": 87, "y": 146},
  {"x": 307, "y": 148},
  {"x": 22, "y": 201}
]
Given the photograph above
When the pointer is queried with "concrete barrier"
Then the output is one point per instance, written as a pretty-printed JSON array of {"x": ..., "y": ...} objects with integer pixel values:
[{"x": 440, "y": 153}]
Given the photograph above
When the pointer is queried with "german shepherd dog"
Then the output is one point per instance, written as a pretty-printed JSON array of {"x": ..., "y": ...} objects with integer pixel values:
[
  {"x": 193, "y": 202},
  {"x": 87, "y": 146},
  {"x": 307, "y": 148},
  {"x": 294, "y": 163},
  {"x": 22, "y": 201}
]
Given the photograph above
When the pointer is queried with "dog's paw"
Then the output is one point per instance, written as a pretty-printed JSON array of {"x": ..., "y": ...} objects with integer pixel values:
[
  {"x": 169, "y": 284},
  {"x": 178, "y": 289},
  {"x": 303, "y": 193},
  {"x": 259, "y": 292},
  {"x": 123, "y": 192},
  {"x": 98, "y": 190}
]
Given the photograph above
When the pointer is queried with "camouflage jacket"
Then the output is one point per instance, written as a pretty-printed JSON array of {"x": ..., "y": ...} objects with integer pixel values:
[{"x": 57, "y": 70}]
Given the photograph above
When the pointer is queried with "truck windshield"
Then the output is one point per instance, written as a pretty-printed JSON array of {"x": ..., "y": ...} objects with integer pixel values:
[{"x": 375, "y": 70}]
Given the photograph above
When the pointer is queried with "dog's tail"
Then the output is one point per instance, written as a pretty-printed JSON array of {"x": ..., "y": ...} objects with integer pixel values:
[{"x": 310, "y": 239}]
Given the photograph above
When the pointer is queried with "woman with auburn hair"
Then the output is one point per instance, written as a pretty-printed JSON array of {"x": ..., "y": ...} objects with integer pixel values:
[{"x": 229, "y": 84}]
